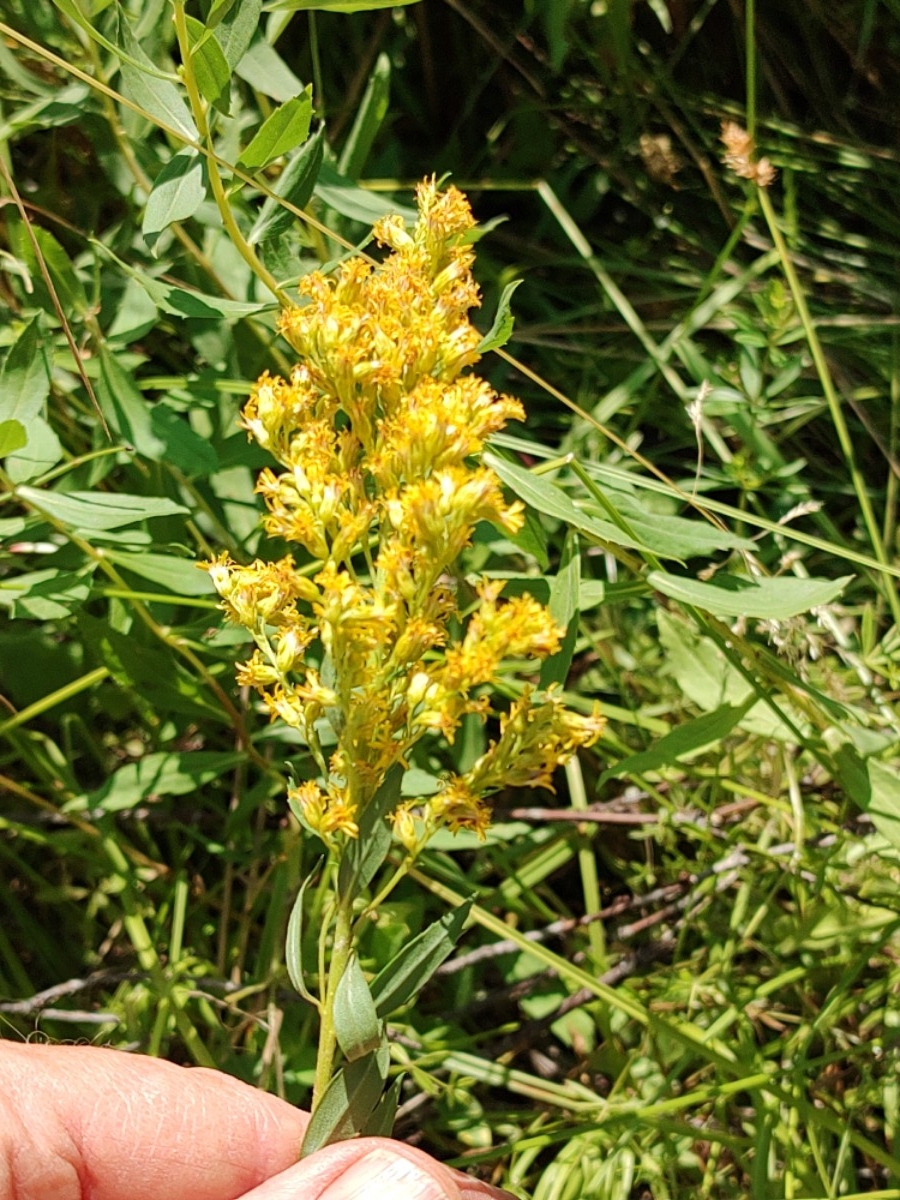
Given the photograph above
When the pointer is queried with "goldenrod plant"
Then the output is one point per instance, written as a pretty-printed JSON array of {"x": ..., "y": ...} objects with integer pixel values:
[{"x": 372, "y": 644}]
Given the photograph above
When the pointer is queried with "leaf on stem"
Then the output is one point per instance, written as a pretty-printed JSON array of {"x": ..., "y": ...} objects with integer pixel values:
[
  {"x": 365, "y": 854},
  {"x": 355, "y": 1020},
  {"x": 409, "y": 970},
  {"x": 349, "y": 1101},
  {"x": 178, "y": 192},
  {"x": 295, "y": 185},
  {"x": 283, "y": 131},
  {"x": 501, "y": 330},
  {"x": 293, "y": 956}
]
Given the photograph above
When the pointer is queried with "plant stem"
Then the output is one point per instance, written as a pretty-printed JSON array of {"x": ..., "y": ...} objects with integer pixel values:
[
  {"x": 340, "y": 956},
  {"x": 198, "y": 111}
]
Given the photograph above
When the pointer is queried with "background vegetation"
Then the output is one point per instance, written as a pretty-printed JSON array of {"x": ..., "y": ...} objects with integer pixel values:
[{"x": 683, "y": 976}]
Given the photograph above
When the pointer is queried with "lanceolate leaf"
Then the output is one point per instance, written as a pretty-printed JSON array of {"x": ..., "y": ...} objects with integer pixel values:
[
  {"x": 366, "y": 853},
  {"x": 409, "y": 970},
  {"x": 210, "y": 66},
  {"x": 739, "y": 596},
  {"x": 349, "y": 1101},
  {"x": 295, "y": 184},
  {"x": 178, "y": 192},
  {"x": 24, "y": 380},
  {"x": 355, "y": 1020},
  {"x": 294, "y": 944},
  {"x": 99, "y": 510},
  {"x": 159, "y": 98},
  {"x": 283, "y": 131},
  {"x": 235, "y": 31},
  {"x": 501, "y": 330}
]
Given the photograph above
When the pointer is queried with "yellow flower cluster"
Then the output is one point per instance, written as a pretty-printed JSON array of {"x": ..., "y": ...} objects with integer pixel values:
[{"x": 378, "y": 434}]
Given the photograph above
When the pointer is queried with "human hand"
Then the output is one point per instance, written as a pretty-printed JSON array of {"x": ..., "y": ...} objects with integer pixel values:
[{"x": 79, "y": 1122}]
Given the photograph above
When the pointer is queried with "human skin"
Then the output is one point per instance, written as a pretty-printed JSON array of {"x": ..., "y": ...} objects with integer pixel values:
[{"x": 83, "y": 1123}]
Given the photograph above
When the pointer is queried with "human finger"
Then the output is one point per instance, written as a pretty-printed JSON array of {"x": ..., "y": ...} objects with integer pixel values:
[
  {"x": 372, "y": 1169},
  {"x": 79, "y": 1120}
]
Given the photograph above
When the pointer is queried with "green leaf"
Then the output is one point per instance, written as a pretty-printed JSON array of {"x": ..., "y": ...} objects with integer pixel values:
[
  {"x": 236, "y": 32},
  {"x": 125, "y": 408},
  {"x": 293, "y": 949},
  {"x": 739, "y": 596},
  {"x": 91, "y": 511},
  {"x": 177, "y": 575},
  {"x": 71, "y": 9},
  {"x": 280, "y": 133},
  {"x": 295, "y": 184},
  {"x": 687, "y": 739},
  {"x": 365, "y": 854},
  {"x": 267, "y": 72},
  {"x": 370, "y": 117},
  {"x": 68, "y": 287},
  {"x": 182, "y": 302},
  {"x": 348, "y": 1102},
  {"x": 48, "y": 595},
  {"x": 40, "y": 455},
  {"x": 354, "y": 202},
  {"x": 564, "y": 598},
  {"x": 342, "y": 6},
  {"x": 65, "y": 106},
  {"x": 12, "y": 437},
  {"x": 408, "y": 971},
  {"x": 544, "y": 496},
  {"x": 157, "y": 775},
  {"x": 501, "y": 330},
  {"x": 178, "y": 191},
  {"x": 211, "y": 68},
  {"x": 141, "y": 82},
  {"x": 381, "y": 1122},
  {"x": 355, "y": 1020}
]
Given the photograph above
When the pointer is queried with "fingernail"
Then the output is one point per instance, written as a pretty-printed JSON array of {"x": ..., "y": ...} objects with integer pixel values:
[{"x": 383, "y": 1169}]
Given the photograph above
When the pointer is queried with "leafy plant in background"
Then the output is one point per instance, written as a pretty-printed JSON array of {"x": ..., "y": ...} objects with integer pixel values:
[{"x": 685, "y": 979}]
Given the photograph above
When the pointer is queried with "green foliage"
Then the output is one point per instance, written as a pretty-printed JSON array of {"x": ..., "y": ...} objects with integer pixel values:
[{"x": 679, "y": 974}]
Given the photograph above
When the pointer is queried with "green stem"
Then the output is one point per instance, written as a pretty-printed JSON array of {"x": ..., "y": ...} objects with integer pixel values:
[
  {"x": 340, "y": 956},
  {"x": 831, "y": 396},
  {"x": 198, "y": 110}
]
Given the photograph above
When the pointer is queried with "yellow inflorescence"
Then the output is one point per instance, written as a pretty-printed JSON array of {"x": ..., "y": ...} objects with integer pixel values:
[{"x": 375, "y": 433}]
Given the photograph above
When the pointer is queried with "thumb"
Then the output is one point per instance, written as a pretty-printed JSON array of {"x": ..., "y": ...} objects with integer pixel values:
[{"x": 371, "y": 1167}]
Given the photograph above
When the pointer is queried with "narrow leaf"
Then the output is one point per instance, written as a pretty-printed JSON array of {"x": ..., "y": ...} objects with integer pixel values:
[
  {"x": 501, "y": 330},
  {"x": 160, "y": 99},
  {"x": 178, "y": 192},
  {"x": 349, "y": 1101},
  {"x": 92, "y": 511},
  {"x": 24, "y": 380},
  {"x": 350, "y": 200},
  {"x": 265, "y": 70},
  {"x": 159, "y": 774},
  {"x": 355, "y": 1020},
  {"x": 543, "y": 495},
  {"x": 564, "y": 595},
  {"x": 381, "y": 1122},
  {"x": 176, "y": 575},
  {"x": 211, "y": 68},
  {"x": 366, "y": 853},
  {"x": 739, "y": 596},
  {"x": 295, "y": 184},
  {"x": 281, "y": 132},
  {"x": 236, "y": 31},
  {"x": 369, "y": 118},
  {"x": 293, "y": 951},
  {"x": 410, "y": 969},
  {"x": 684, "y": 740}
]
